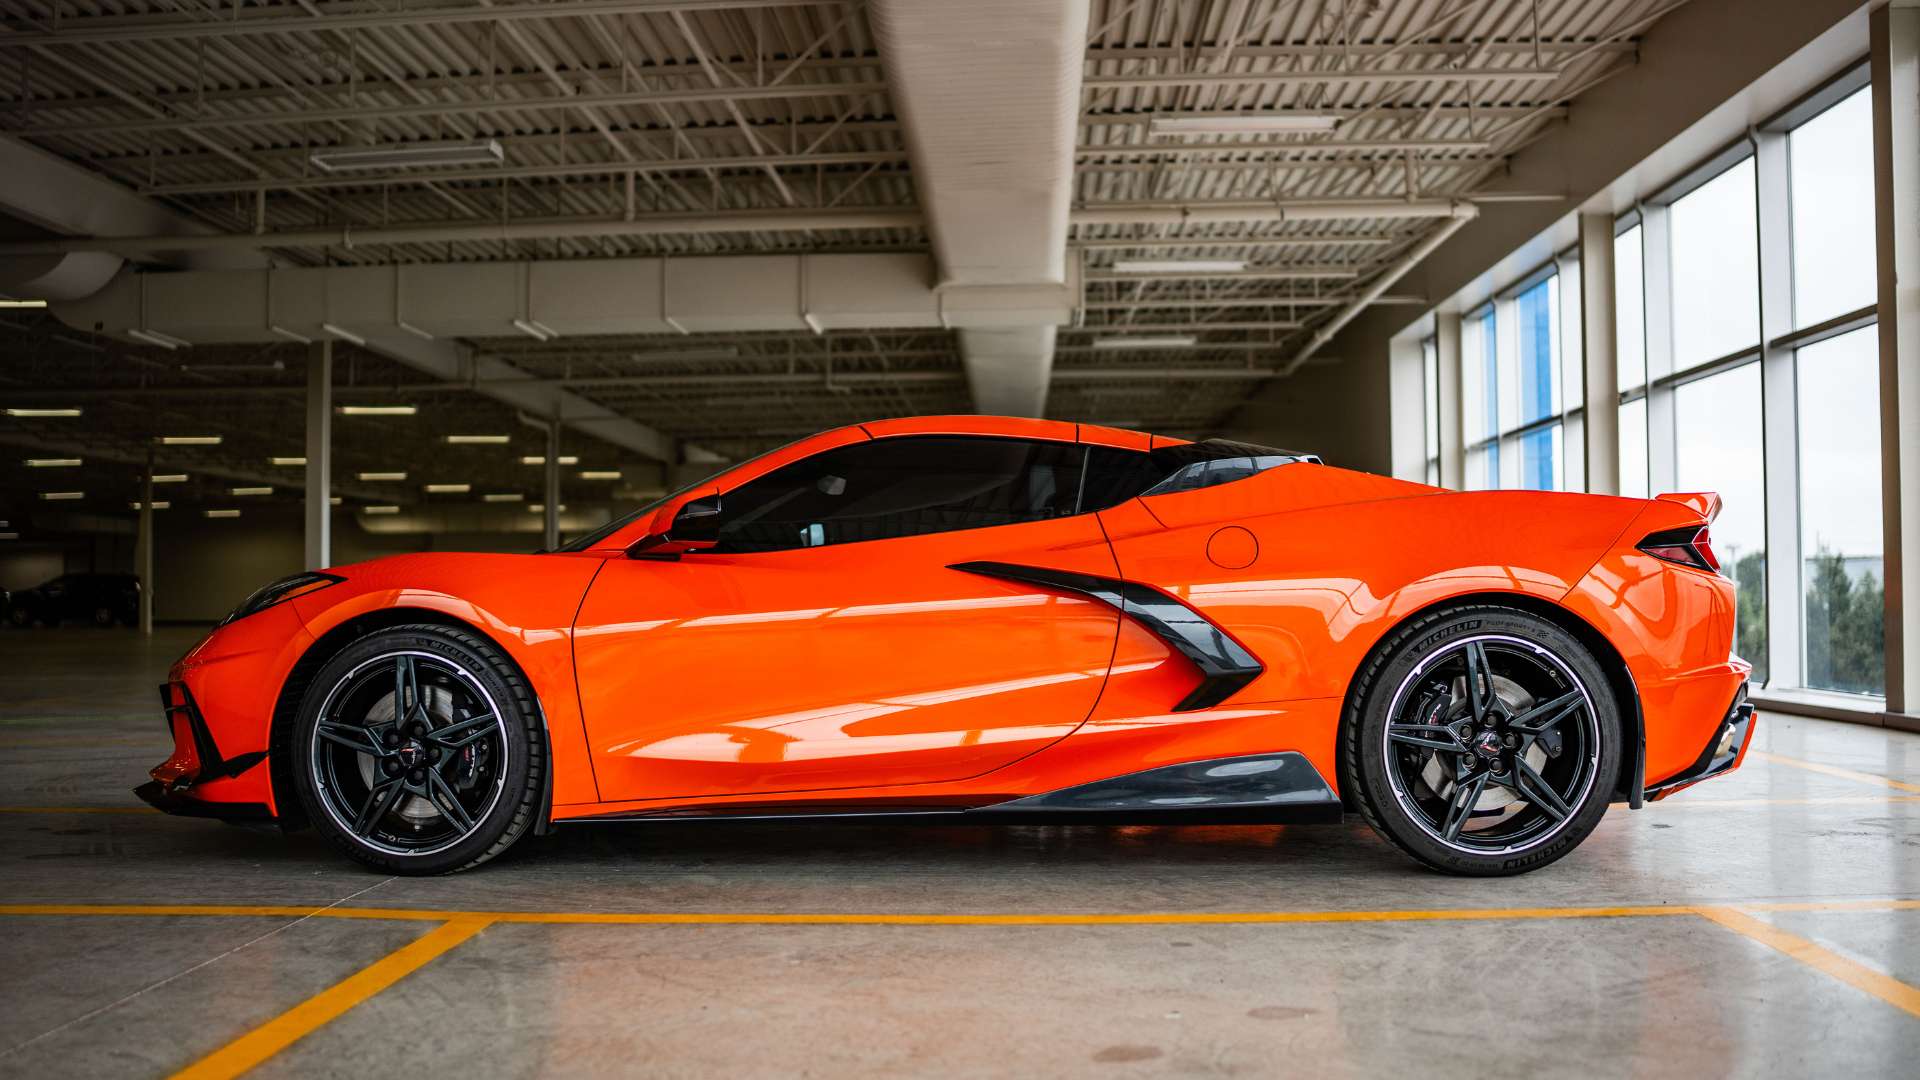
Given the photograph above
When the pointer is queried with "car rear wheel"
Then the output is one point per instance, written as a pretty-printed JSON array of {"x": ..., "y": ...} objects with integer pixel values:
[
  {"x": 418, "y": 751},
  {"x": 1483, "y": 741}
]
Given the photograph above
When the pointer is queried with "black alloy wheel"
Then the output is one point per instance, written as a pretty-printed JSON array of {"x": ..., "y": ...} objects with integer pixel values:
[
  {"x": 1487, "y": 741},
  {"x": 417, "y": 751}
]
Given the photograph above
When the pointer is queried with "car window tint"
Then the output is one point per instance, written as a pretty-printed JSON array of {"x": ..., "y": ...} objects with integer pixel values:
[
  {"x": 1115, "y": 475},
  {"x": 899, "y": 487}
]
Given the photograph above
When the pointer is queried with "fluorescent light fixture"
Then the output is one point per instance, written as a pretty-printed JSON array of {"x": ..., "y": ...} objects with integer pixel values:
[
  {"x": 158, "y": 504},
  {"x": 409, "y": 155},
  {"x": 1163, "y": 341},
  {"x": 14, "y": 304},
  {"x": 1179, "y": 266},
  {"x": 344, "y": 335},
  {"x": 536, "y": 330},
  {"x": 1247, "y": 124},
  {"x": 190, "y": 440},
  {"x": 169, "y": 478},
  {"x": 381, "y": 476},
  {"x": 290, "y": 461},
  {"x": 9, "y": 536},
  {"x": 540, "y": 508},
  {"x": 502, "y": 497},
  {"x": 333, "y": 500},
  {"x": 62, "y": 496},
  {"x": 479, "y": 440},
  {"x": 221, "y": 513},
  {"x": 52, "y": 462},
  {"x": 378, "y": 410},
  {"x": 250, "y": 491},
  {"x": 448, "y": 489},
  {"x": 290, "y": 335},
  {"x": 600, "y": 474},
  {"x": 379, "y": 509},
  {"x": 539, "y": 459},
  {"x": 412, "y": 329},
  {"x": 37, "y": 414},
  {"x": 155, "y": 337}
]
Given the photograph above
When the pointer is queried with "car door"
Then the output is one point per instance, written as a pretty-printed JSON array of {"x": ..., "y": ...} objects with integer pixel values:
[{"x": 824, "y": 641}]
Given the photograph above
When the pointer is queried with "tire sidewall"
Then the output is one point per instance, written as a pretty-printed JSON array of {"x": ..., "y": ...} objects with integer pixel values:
[
  {"x": 1399, "y": 661},
  {"x": 522, "y": 729}
]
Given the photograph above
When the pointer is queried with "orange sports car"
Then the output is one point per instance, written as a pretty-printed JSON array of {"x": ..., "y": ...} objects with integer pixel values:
[{"x": 982, "y": 620}]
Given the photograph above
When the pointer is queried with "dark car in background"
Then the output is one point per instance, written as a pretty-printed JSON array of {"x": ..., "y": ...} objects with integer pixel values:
[{"x": 100, "y": 599}]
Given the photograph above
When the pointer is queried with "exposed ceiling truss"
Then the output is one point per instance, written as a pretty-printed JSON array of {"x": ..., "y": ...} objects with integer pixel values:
[{"x": 703, "y": 127}]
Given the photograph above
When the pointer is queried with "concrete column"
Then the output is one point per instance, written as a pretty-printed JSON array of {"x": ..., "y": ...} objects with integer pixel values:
[
  {"x": 1453, "y": 450},
  {"x": 550, "y": 509},
  {"x": 1895, "y": 51},
  {"x": 1599, "y": 356},
  {"x": 319, "y": 551},
  {"x": 1408, "y": 413},
  {"x": 144, "y": 555}
]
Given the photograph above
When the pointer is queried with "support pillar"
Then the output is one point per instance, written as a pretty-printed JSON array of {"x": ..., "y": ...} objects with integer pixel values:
[
  {"x": 1599, "y": 356},
  {"x": 319, "y": 503},
  {"x": 550, "y": 509},
  {"x": 144, "y": 556},
  {"x": 1894, "y": 32},
  {"x": 1453, "y": 448}
]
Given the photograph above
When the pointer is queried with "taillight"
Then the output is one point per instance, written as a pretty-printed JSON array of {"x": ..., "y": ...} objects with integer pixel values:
[{"x": 1687, "y": 546}]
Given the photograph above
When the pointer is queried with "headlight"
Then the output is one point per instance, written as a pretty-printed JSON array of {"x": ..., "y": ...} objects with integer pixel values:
[{"x": 285, "y": 589}]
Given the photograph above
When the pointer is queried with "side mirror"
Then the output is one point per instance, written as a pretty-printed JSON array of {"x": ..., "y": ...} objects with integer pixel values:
[{"x": 695, "y": 527}]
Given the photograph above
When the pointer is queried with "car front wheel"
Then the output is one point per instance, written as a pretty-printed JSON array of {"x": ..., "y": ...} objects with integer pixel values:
[
  {"x": 418, "y": 751},
  {"x": 1483, "y": 741}
]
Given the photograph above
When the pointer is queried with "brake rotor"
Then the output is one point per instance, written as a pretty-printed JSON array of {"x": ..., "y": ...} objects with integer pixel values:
[{"x": 439, "y": 706}]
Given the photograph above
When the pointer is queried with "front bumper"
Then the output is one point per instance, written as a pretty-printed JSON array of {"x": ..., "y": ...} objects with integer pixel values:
[
  {"x": 196, "y": 761},
  {"x": 1723, "y": 752}
]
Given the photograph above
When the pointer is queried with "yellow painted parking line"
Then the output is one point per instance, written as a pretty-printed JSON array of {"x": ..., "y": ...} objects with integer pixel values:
[
  {"x": 1859, "y": 976},
  {"x": 455, "y": 927},
  {"x": 1834, "y": 770},
  {"x": 323, "y": 1008},
  {"x": 77, "y": 810}
]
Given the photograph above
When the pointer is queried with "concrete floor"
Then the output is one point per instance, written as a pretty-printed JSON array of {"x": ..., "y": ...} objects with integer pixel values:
[{"x": 1808, "y": 859}]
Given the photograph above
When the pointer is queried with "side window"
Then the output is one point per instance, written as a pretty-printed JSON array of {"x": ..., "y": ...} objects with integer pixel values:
[
  {"x": 1115, "y": 475},
  {"x": 890, "y": 488}
]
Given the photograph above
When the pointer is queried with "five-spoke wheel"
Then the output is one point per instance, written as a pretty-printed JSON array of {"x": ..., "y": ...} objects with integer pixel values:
[
  {"x": 1484, "y": 740},
  {"x": 417, "y": 750}
]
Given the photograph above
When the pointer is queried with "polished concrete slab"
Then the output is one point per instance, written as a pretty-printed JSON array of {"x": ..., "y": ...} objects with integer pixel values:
[{"x": 1661, "y": 993}]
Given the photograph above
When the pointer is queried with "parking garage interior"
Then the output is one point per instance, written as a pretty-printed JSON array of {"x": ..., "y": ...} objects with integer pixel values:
[{"x": 296, "y": 284}]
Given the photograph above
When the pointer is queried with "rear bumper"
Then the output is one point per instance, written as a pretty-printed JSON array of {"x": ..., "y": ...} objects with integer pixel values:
[{"x": 1724, "y": 751}]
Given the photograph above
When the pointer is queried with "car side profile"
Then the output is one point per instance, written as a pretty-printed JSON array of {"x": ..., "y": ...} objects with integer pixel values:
[
  {"x": 98, "y": 598},
  {"x": 987, "y": 620}
]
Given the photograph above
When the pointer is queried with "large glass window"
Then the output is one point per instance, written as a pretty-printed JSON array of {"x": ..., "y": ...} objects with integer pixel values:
[
  {"x": 1630, "y": 309},
  {"x": 1633, "y": 449},
  {"x": 1717, "y": 448},
  {"x": 1842, "y": 574},
  {"x": 1832, "y": 176},
  {"x": 1716, "y": 269}
]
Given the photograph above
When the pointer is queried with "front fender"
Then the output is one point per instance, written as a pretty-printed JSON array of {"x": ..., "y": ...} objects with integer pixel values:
[{"x": 524, "y": 604}]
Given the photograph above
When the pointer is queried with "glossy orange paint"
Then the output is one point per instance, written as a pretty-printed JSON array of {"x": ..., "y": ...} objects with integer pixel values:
[{"x": 873, "y": 672}]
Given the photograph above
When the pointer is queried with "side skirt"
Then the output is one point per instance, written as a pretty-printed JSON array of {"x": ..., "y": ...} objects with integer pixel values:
[{"x": 1255, "y": 789}]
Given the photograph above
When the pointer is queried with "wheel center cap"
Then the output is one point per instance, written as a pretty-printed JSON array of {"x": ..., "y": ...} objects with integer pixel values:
[
  {"x": 412, "y": 753},
  {"x": 1487, "y": 745}
]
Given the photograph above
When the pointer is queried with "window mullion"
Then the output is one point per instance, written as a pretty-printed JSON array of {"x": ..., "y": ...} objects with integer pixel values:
[{"x": 1779, "y": 412}]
